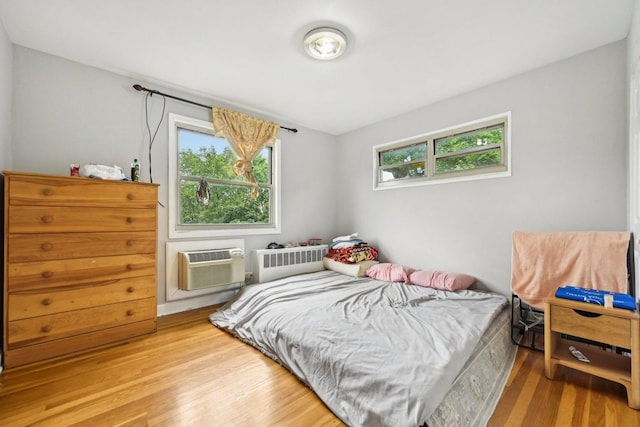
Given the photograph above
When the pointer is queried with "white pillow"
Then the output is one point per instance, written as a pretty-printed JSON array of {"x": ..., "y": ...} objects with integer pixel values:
[{"x": 357, "y": 269}]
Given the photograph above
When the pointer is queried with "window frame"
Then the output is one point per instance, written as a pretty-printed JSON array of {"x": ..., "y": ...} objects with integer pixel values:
[
  {"x": 178, "y": 231},
  {"x": 432, "y": 177}
]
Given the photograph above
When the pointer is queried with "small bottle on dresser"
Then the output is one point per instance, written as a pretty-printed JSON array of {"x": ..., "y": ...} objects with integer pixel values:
[{"x": 135, "y": 170}]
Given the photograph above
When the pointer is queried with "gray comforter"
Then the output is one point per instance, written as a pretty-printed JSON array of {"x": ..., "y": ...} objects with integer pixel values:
[{"x": 377, "y": 353}]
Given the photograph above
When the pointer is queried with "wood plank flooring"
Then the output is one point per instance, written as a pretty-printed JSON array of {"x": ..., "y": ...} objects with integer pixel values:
[
  {"x": 192, "y": 374},
  {"x": 572, "y": 399}
]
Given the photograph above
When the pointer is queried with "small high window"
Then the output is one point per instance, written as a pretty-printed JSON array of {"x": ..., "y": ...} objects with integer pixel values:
[{"x": 475, "y": 150}]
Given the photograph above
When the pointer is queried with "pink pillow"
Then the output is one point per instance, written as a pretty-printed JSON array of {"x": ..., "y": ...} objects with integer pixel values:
[
  {"x": 441, "y": 280},
  {"x": 389, "y": 272}
]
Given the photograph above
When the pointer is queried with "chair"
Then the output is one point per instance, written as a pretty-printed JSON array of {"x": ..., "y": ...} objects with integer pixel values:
[{"x": 541, "y": 262}]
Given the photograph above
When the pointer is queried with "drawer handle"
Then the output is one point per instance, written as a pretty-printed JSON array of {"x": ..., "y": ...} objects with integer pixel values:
[
  {"x": 47, "y": 301},
  {"x": 130, "y": 312},
  {"x": 47, "y": 274},
  {"x": 46, "y": 246},
  {"x": 47, "y": 192},
  {"x": 46, "y": 328},
  {"x": 587, "y": 313},
  {"x": 130, "y": 289},
  {"x": 130, "y": 242},
  {"x": 130, "y": 219},
  {"x": 47, "y": 219},
  {"x": 130, "y": 196}
]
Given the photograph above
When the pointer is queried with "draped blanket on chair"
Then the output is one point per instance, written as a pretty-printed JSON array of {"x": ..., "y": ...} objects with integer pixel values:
[{"x": 542, "y": 262}]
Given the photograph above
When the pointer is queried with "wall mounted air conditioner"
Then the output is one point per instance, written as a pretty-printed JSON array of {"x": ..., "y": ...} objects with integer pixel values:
[{"x": 210, "y": 268}]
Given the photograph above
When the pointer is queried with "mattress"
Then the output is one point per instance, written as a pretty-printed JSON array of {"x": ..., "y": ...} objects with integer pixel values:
[
  {"x": 380, "y": 353},
  {"x": 475, "y": 392}
]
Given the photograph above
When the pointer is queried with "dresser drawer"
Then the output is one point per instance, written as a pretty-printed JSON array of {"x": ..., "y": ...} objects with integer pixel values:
[
  {"x": 58, "y": 191},
  {"x": 33, "y": 303},
  {"x": 40, "y": 247},
  {"x": 607, "y": 329},
  {"x": 69, "y": 345},
  {"x": 55, "y": 275},
  {"x": 56, "y": 326},
  {"x": 40, "y": 219}
]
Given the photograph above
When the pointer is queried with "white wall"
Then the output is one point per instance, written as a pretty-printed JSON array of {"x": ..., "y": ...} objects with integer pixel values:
[
  {"x": 569, "y": 171},
  {"x": 65, "y": 112},
  {"x": 569, "y": 160},
  {"x": 633, "y": 79},
  {"x": 5, "y": 98}
]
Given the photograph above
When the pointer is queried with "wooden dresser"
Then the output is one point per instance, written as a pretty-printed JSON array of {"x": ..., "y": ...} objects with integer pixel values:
[{"x": 80, "y": 264}]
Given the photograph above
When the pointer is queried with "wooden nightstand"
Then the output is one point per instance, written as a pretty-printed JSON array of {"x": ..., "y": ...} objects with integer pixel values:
[{"x": 614, "y": 326}]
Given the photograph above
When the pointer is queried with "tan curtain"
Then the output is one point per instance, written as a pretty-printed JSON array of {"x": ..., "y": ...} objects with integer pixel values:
[{"x": 247, "y": 136}]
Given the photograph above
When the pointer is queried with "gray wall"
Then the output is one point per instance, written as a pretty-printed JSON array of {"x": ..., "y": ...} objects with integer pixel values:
[
  {"x": 568, "y": 148},
  {"x": 5, "y": 98},
  {"x": 568, "y": 172},
  {"x": 65, "y": 112},
  {"x": 633, "y": 82}
]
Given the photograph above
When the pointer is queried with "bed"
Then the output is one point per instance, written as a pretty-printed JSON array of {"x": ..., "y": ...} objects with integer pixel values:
[{"x": 381, "y": 353}]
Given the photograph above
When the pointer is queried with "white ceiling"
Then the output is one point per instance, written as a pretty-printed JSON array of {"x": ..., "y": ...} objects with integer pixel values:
[{"x": 403, "y": 54}]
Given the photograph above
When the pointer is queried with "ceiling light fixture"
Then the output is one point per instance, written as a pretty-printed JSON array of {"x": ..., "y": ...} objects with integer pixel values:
[{"x": 325, "y": 43}]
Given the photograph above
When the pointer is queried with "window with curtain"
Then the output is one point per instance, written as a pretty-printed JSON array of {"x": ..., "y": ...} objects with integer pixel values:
[{"x": 207, "y": 197}]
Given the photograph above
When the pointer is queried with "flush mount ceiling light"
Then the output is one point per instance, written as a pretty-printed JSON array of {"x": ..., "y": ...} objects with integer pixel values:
[{"x": 325, "y": 43}]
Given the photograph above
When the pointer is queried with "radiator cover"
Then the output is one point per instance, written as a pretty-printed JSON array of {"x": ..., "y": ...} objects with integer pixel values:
[{"x": 272, "y": 264}]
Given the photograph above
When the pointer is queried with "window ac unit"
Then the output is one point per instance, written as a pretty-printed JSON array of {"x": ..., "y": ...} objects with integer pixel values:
[{"x": 210, "y": 268}]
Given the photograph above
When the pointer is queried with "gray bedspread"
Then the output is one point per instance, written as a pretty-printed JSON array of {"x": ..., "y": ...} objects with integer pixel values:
[{"x": 377, "y": 353}]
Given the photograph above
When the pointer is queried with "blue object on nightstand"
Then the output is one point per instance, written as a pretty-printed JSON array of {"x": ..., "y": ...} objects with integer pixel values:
[{"x": 596, "y": 296}]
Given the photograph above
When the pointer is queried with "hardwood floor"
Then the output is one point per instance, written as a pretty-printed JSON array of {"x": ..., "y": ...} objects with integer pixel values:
[
  {"x": 189, "y": 373},
  {"x": 192, "y": 374},
  {"x": 572, "y": 399}
]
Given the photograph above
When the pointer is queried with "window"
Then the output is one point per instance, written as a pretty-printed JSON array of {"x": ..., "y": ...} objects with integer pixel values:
[
  {"x": 475, "y": 150},
  {"x": 195, "y": 155}
]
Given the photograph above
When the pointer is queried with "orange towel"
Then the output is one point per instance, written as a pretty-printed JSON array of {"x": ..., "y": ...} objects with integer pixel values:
[{"x": 542, "y": 262}]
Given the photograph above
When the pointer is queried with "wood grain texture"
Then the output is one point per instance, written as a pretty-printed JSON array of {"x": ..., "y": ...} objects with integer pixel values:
[
  {"x": 42, "y": 247},
  {"x": 613, "y": 326},
  {"x": 572, "y": 399},
  {"x": 80, "y": 264},
  {"x": 54, "y": 190},
  {"x": 190, "y": 373},
  {"x": 187, "y": 374}
]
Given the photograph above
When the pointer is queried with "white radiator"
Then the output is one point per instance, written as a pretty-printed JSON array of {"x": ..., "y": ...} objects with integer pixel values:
[
  {"x": 210, "y": 268},
  {"x": 272, "y": 264}
]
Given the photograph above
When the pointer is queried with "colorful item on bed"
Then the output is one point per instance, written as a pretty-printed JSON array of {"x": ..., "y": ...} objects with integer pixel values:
[
  {"x": 442, "y": 280},
  {"x": 390, "y": 272},
  {"x": 353, "y": 254}
]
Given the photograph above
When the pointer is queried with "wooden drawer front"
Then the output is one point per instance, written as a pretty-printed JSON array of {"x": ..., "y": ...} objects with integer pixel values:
[
  {"x": 69, "y": 273},
  {"x": 33, "y": 353},
  {"x": 606, "y": 329},
  {"x": 58, "y": 191},
  {"x": 34, "y": 303},
  {"x": 40, "y": 219},
  {"x": 56, "y": 326},
  {"x": 40, "y": 247}
]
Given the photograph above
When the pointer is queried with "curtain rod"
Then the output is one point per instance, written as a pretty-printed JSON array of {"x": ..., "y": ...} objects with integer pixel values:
[{"x": 151, "y": 91}]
